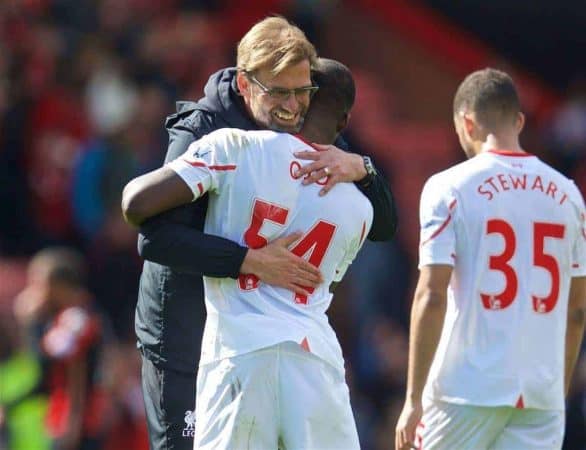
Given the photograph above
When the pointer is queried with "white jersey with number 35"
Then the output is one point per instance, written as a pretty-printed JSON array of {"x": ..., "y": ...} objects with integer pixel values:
[
  {"x": 513, "y": 229},
  {"x": 254, "y": 198}
]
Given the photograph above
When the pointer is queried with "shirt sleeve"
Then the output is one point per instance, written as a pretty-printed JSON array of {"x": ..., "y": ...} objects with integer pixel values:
[
  {"x": 437, "y": 244},
  {"x": 205, "y": 164},
  {"x": 174, "y": 238},
  {"x": 353, "y": 249},
  {"x": 579, "y": 251}
]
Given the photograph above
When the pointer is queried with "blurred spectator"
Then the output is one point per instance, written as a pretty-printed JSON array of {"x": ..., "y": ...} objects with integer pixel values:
[
  {"x": 101, "y": 172},
  {"x": 84, "y": 89},
  {"x": 56, "y": 310},
  {"x": 22, "y": 405},
  {"x": 127, "y": 429},
  {"x": 115, "y": 269},
  {"x": 18, "y": 231},
  {"x": 129, "y": 139},
  {"x": 575, "y": 438},
  {"x": 568, "y": 129}
]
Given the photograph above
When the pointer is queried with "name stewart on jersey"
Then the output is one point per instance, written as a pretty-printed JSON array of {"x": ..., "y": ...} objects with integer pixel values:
[
  {"x": 512, "y": 228},
  {"x": 503, "y": 182}
]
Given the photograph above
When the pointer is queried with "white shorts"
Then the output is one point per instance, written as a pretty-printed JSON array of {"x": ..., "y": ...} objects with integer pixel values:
[
  {"x": 279, "y": 397},
  {"x": 451, "y": 426}
]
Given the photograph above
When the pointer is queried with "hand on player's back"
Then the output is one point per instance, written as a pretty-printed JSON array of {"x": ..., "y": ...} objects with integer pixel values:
[
  {"x": 277, "y": 266},
  {"x": 339, "y": 166}
]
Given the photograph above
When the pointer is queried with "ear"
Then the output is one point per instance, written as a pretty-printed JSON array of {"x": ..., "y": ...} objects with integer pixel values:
[
  {"x": 469, "y": 125},
  {"x": 520, "y": 122},
  {"x": 343, "y": 123},
  {"x": 243, "y": 84}
]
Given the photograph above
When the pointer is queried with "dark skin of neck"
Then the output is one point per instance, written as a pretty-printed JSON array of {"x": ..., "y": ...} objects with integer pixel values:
[
  {"x": 316, "y": 131},
  {"x": 319, "y": 129}
]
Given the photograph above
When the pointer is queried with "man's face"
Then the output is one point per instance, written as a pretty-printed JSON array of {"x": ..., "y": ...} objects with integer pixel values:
[
  {"x": 54, "y": 293},
  {"x": 275, "y": 112}
]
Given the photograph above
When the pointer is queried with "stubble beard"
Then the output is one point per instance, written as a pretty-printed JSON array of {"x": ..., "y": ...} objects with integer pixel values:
[{"x": 274, "y": 126}]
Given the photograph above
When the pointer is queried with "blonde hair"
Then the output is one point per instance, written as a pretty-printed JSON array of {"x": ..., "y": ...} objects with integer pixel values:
[{"x": 276, "y": 44}]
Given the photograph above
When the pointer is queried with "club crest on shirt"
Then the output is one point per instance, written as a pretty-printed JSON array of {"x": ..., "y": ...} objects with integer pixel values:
[
  {"x": 201, "y": 152},
  {"x": 494, "y": 302},
  {"x": 189, "y": 430},
  {"x": 434, "y": 222}
]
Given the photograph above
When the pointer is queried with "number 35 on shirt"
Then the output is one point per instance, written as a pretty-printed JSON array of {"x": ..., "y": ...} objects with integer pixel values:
[{"x": 502, "y": 263}]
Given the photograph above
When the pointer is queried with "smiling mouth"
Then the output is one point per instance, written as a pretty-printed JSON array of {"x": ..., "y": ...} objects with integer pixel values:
[{"x": 285, "y": 116}]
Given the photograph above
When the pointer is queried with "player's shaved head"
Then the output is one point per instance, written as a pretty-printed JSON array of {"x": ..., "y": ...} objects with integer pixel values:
[
  {"x": 491, "y": 95},
  {"x": 330, "y": 106}
]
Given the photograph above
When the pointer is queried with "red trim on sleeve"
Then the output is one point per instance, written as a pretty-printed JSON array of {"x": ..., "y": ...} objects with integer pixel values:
[
  {"x": 442, "y": 226},
  {"x": 305, "y": 344},
  {"x": 200, "y": 187},
  {"x": 438, "y": 231},
  {"x": 520, "y": 404},
  {"x": 214, "y": 167},
  {"x": 226, "y": 167}
]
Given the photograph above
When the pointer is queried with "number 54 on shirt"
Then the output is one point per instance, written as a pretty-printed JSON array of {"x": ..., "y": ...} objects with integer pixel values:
[{"x": 314, "y": 243}]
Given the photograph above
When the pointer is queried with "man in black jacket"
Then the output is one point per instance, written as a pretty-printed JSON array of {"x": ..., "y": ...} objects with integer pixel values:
[{"x": 271, "y": 88}]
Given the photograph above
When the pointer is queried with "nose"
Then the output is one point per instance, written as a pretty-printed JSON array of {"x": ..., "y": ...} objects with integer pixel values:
[{"x": 291, "y": 104}]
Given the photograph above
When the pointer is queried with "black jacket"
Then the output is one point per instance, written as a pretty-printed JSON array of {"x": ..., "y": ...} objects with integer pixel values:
[{"x": 170, "y": 312}]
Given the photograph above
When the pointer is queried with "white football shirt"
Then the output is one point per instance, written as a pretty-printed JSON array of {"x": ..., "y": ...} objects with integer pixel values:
[
  {"x": 513, "y": 229},
  {"x": 254, "y": 199}
]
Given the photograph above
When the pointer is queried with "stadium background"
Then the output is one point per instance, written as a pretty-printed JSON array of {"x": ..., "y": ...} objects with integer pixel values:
[{"x": 85, "y": 86}]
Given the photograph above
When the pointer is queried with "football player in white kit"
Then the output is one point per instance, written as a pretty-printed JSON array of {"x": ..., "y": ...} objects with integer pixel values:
[
  {"x": 498, "y": 313},
  {"x": 271, "y": 371}
]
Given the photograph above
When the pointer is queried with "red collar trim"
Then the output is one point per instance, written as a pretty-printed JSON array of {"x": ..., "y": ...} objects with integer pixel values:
[{"x": 509, "y": 153}]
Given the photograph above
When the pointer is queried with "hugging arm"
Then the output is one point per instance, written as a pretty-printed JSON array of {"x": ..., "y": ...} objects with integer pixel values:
[
  {"x": 161, "y": 203},
  {"x": 343, "y": 166}
]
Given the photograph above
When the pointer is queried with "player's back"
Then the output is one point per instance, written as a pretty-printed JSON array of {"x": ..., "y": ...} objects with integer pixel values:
[
  {"x": 515, "y": 225},
  {"x": 258, "y": 199}
]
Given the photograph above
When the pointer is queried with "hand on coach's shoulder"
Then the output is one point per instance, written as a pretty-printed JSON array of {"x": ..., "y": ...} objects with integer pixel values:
[
  {"x": 274, "y": 264},
  {"x": 338, "y": 165}
]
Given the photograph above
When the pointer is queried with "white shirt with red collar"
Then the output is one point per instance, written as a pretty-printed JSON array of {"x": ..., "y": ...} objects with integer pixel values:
[
  {"x": 254, "y": 198},
  {"x": 514, "y": 231}
]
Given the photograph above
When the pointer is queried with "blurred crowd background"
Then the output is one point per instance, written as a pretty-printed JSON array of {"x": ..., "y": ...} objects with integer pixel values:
[{"x": 85, "y": 86}]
